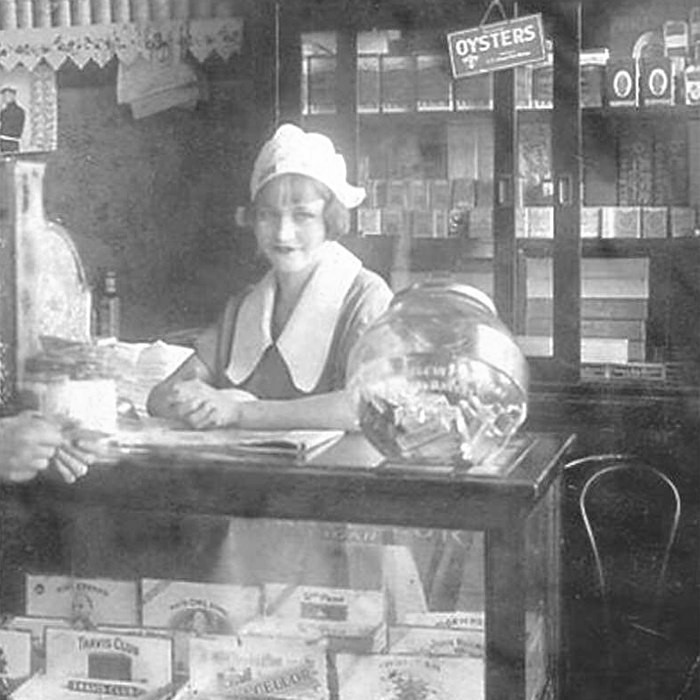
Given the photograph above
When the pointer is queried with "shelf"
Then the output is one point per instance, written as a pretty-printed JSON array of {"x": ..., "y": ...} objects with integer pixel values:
[{"x": 611, "y": 247}]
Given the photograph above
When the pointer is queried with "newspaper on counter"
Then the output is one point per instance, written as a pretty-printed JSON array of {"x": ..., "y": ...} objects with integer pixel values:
[
  {"x": 84, "y": 603},
  {"x": 86, "y": 664},
  {"x": 395, "y": 677},
  {"x": 246, "y": 667}
]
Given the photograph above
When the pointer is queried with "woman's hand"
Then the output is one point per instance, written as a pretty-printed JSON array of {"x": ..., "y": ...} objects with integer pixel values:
[{"x": 203, "y": 406}]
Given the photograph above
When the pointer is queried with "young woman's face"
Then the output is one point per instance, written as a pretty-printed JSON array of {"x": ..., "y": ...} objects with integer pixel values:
[{"x": 289, "y": 222}]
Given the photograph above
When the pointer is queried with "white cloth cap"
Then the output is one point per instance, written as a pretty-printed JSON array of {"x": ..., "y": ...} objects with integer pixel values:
[{"x": 294, "y": 151}]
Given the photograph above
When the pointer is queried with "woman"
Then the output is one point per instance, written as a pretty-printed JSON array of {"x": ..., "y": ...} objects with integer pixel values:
[{"x": 278, "y": 356}]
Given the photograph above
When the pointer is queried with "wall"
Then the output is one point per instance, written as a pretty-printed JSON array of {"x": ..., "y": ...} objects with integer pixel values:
[{"x": 156, "y": 198}]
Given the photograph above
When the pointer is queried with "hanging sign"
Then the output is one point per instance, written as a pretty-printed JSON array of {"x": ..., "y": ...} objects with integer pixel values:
[{"x": 497, "y": 46}]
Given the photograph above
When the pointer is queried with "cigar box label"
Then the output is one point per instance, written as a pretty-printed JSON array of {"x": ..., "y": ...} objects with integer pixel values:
[
  {"x": 85, "y": 660},
  {"x": 657, "y": 81},
  {"x": 621, "y": 83},
  {"x": 199, "y": 608},
  {"x": 682, "y": 221},
  {"x": 473, "y": 620},
  {"x": 435, "y": 641},
  {"x": 85, "y": 603},
  {"x": 15, "y": 654},
  {"x": 333, "y": 609},
  {"x": 394, "y": 677},
  {"x": 243, "y": 667}
]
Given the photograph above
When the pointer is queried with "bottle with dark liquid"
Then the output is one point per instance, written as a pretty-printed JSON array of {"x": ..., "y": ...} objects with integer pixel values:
[{"x": 107, "y": 307}]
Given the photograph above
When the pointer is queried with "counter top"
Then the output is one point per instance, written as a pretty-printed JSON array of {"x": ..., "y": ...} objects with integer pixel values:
[{"x": 344, "y": 484}]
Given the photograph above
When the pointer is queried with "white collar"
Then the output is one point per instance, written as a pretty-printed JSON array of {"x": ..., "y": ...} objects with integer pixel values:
[{"x": 318, "y": 308}]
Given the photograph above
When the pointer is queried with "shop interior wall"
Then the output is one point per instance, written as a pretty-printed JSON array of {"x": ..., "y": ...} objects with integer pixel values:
[{"x": 155, "y": 198}]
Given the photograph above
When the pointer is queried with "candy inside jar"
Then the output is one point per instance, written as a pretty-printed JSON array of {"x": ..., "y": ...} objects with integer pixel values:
[{"x": 439, "y": 379}]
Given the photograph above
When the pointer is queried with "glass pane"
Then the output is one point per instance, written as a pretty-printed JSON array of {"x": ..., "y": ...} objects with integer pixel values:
[
  {"x": 541, "y": 616},
  {"x": 318, "y": 83},
  {"x": 390, "y": 607}
]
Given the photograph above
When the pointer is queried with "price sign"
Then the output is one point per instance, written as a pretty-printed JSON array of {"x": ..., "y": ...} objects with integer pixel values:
[{"x": 497, "y": 46}]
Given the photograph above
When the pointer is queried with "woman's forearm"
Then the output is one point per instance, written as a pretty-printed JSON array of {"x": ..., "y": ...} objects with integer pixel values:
[{"x": 333, "y": 411}]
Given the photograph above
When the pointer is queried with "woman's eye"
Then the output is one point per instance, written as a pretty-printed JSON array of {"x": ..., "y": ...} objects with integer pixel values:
[{"x": 303, "y": 215}]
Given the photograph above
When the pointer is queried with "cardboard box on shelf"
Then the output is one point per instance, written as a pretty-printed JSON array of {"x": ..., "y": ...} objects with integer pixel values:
[
  {"x": 621, "y": 83},
  {"x": 657, "y": 81},
  {"x": 433, "y": 83},
  {"x": 620, "y": 222},
  {"x": 654, "y": 222},
  {"x": 398, "y": 89},
  {"x": 368, "y": 84},
  {"x": 369, "y": 221},
  {"x": 590, "y": 222},
  {"x": 540, "y": 222},
  {"x": 682, "y": 222}
]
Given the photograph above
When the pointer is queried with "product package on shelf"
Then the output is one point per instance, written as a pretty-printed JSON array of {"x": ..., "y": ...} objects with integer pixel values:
[
  {"x": 398, "y": 84},
  {"x": 620, "y": 222},
  {"x": 88, "y": 664},
  {"x": 654, "y": 222},
  {"x": 368, "y": 82},
  {"x": 83, "y": 602},
  {"x": 621, "y": 83},
  {"x": 474, "y": 92},
  {"x": 590, "y": 222},
  {"x": 322, "y": 84},
  {"x": 349, "y": 620},
  {"x": 193, "y": 609},
  {"x": 682, "y": 221},
  {"x": 421, "y": 223},
  {"x": 247, "y": 667},
  {"x": 369, "y": 221},
  {"x": 433, "y": 84},
  {"x": 394, "y": 677},
  {"x": 657, "y": 81}
]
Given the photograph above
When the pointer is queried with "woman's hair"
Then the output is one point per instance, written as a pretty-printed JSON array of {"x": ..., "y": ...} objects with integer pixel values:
[{"x": 335, "y": 215}]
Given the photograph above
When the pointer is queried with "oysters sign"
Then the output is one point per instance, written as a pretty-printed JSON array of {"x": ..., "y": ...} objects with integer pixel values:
[{"x": 497, "y": 46}]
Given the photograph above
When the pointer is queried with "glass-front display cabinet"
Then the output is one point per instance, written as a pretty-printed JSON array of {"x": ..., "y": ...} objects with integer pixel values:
[
  {"x": 341, "y": 577},
  {"x": 575, "y": 209}
]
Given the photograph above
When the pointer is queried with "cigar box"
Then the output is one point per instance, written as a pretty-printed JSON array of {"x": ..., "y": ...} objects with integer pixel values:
[
  {"x": 246, "y": 667},
  {"x": 435, "y": 641},
  {"x": 16, "y": 653},
  {"x": 89, "y": 664},
  {"x": 84, "y": 602},
  {"x": 347, "y": 619},
  {"x": 392, "y": 676}
]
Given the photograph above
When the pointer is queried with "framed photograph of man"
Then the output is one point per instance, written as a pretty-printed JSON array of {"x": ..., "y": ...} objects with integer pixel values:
[{"x": 28, "y": 110}]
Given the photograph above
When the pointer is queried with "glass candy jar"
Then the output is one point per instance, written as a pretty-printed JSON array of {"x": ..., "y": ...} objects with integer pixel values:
[{"x": 438, "y": 378}]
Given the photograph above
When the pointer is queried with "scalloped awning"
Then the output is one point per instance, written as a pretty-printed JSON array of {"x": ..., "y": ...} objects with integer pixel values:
[{"x": 101, "y": 42}]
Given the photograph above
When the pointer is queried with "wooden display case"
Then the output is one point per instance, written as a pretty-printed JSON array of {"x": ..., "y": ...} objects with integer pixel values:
[{"x": 513, "y": 508}]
